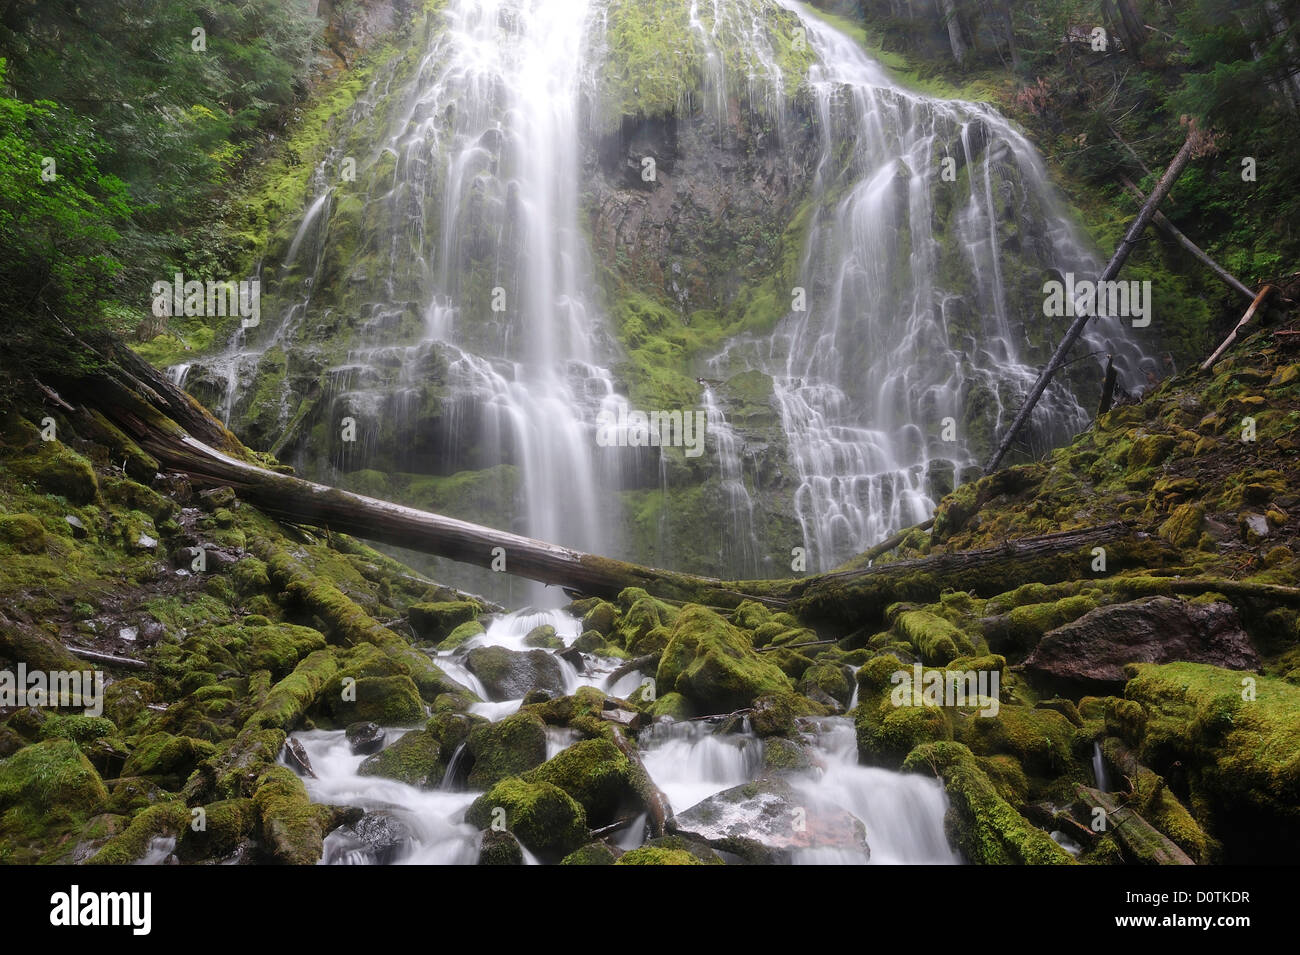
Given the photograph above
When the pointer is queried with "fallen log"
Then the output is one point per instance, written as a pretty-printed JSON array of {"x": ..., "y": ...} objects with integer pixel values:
[
  {"x": 1140, "y": 840},
  {"x": 1108, "y": 387},
  {"x": 1245, "y": 320},
  {"x": 1194, "y": 143},
  {"x": 107, "y": 658}
]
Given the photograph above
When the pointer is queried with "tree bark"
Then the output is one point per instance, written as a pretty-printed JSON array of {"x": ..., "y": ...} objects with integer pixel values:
[
  {"x": 1194, "y": 141},
  {"x": 1245, "y": 320},
  {"x": 948, "y": 11}
]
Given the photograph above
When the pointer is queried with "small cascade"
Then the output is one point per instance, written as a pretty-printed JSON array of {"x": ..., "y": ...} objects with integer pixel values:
[{"x": 1099, "y": 768}]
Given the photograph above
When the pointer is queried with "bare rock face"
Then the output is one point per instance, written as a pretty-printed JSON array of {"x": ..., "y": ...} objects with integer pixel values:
[{"x": 1092, "y": 650}]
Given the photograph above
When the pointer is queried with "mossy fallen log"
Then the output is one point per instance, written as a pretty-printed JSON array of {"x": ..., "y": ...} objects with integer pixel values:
[{"x": 1140, "y": 840}]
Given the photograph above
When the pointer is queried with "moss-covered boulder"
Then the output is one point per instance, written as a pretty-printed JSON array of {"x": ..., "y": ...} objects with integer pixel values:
[
  {"x": 58, "y": 470},
  {"x": 500, "y": 848},
  {"x": 542, "y": 816},
  {"x": 22, "y": 533},
  {"x": 435, "y": 621},
  {"x": 654, "y": 855},
  {"x": 1039, "y": 739},
  {"x": 511, "y": 675},
  {"x": 595, "y": 773},
  {"x": 415, "y": 759},
  {"x": 714, "y": 665},
  {"x": 386, "y": 700},
  {"x": 509, "y": 747},
  {"x": 278, "y": 648},
  {"x": 46, "y": 789},
  {"x": 163, "y": 756},
  {"x": 292, "y": 827},
  {"x": 1232, "y": 742},
  {"x": 594, "y": 853},
  {"x": 980, "y": 822}
]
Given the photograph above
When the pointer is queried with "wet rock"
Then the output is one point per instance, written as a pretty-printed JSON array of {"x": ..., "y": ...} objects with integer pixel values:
[
  {"x": 77, "y": 527},
  {"x": 379, "y": 836},
  {"x": 545, "y": 637},
  {"x": 543, "y": 817},
  {"x": 506, "y": 748},
  {"x": 597, "y": 775},
  {"x": 773, "y": 813},
  {"x": 435, "y": 621},
  {"x": 364, "y": 738},
  {"x": 296, "y": 756},
  {"x": 1091, "y": 652},
  {"x": 573, "y": 656},
  {"x": 511, "y": 674},
  {"x": 415, "y": 759},
  {"x": 500, "y": 848}
]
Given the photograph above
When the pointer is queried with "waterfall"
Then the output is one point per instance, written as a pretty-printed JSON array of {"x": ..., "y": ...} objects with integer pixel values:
[
  {"x": 908, "y": 354},
  {"x": 456, "y": 270}
]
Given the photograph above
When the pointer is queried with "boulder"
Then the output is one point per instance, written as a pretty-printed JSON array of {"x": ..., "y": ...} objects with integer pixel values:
[
  {"x": 1090, "y": 653},
  {"x": 597, "y": 775},
  {"x": 415, "y": 759},
  {"x": 511, "y": 674},
  {"x": 365, "y": 738},
  {"x": 435, "y": 621},
  {"x": 509, "y": 747},
  {"x": 543, "y": 817},
  {"x": 773, "y": 813},
  {"x": 500, "y": 848},
  {"x": 714, "y": 665}
]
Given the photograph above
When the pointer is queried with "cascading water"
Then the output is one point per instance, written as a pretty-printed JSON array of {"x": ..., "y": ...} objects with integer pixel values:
[{"x": 902, "y": 328}]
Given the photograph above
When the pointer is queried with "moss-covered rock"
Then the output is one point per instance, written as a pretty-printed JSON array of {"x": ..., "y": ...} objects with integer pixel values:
[
  {"x": 980, "y": 822},
  {"x": 46, "y": 789},
  {"x": 163, "y": 756},
  {"x": 435, "y": 621},
  {"x": 595, "y": 853},
  {"x": 59, "y": 470},
  {"x": 655, "y": 855},
  {"x": 546, "y": 819},
  {"x": 714, "y": 665},
  {"x": 1233, "y": 740},
  {"x": 386, "y": 700},
  {"x": 415, "y": 759},
  {"x": 499, "y": 848},
  {"x": 595, "y": 773},
  {"x": 505, "y": 748}
]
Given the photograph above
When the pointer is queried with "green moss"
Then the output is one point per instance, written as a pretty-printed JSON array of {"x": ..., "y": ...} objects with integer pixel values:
[
  {"x": 540, "y": 815},
  {"x": 654, "y": 855},
  {"x": 596, "y": 853},
  {"x": 167, "y": 819},
  {"x": 985, "y": 827},
  {"x": 714, "y": 665},
  {"x": 161, "y": 755},
  {"x": 935, "y": 639},
  {"x": 595, "y": 773},
  {"x": 1240, "y": 757},
  {"x": 415, "y": 759},
  {"x": 435, "y": 621},
  {"x": 58, "y": 470},
  {"x": 1039, "y": 739},
  {"x": 506, "y": 748},
  {"x": 289, "y": 699},
  {"x": 291, "y": 826},
  {"x": 47, "y": 790}
]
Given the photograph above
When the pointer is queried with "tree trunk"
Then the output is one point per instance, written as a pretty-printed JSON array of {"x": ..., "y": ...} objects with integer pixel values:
[
  {"x": 1195, "y": 140},
  {"x": 1177, "y": 235},
  {"x": 948, "y": 11}
]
